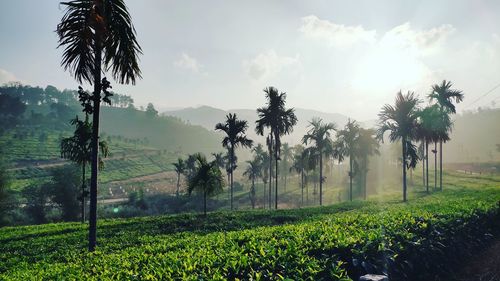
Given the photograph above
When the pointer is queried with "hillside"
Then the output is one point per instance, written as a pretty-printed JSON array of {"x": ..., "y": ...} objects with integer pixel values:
[
  {"x": 427, "y": 237},
  {"x": 142, "y": 145}
]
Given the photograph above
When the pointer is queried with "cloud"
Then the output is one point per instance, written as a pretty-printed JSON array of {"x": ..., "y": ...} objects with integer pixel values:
[
  {"x": 337, "y": 35},
  {"x": 403, "y": 36},
  {"x": 6, "y": 76},
  {"x": 268, "y": 64},
  {"x": 186, "y": 62}
]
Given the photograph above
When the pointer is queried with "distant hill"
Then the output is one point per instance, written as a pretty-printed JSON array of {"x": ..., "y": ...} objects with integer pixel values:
[{"x": 207, "y": 117}]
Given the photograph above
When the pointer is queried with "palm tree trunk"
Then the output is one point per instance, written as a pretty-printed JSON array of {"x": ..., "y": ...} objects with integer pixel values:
[
  {"x": 441, "y": 165},
  {"x": 435, "y": 165},
  {"x": 307, "y": 192},
  {"x": 178, "y": 184},
  {"x": 205, "y": 203},
  {"x": 95, "y": 145},
  {"x": 270, "y": 169},
  {"x": 302, "y": 186},
  {"x": 404, "y": 168},
  {"x": 350, "y": 178},
  {"x": 83, "y": 192},
  {"x": 321, "y": 179},
  {"x": 231, "y": 156},
  {"x": 427, "y": 165},
  {"x": 276, "y": 178},
  {"x": 423, "y": 163},
  {"x": 253, "y": 193}
]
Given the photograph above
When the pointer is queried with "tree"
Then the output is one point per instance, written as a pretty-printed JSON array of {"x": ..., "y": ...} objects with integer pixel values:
[
  {"x": 401, "y": 122},
  {"x": 265, "y": 162},
  {"x": 347, "y": 141},
  {"x": 78, "y": 149},
  {"x": 180, "y": 167},
  {"x": 98, "y": 35},
  {"x": 320, "y": 134},
  {"x": 235, "y": 136},
  {"x": 428, "y": 131},
  {"x": 299, "y": 165},
  {"x": 11, "y": 111},
  {"x": 280, "y": 121},
  {"x": 287, "y": 154},
  {"x": 367, "y": 145},
  {"x": 444, "y": 95},
  {"x": 151, "y": 112},
  {"x": 63, "y": 190},
  {"x": 36, "y": 195},
  {"x": 253, "y": 172},
  {"x": 207, "y": 179},
  {"x": 4, "y": 191}
]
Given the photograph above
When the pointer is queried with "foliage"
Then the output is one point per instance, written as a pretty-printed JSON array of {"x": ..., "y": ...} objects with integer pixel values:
[
  {"x": 207, "y": 179},
  {"x": 234, "y": 130},
  {"x": 64, "y": 190}
]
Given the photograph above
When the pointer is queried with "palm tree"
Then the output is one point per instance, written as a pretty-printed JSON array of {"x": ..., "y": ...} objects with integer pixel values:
[
  {"x": 98, "y": 35},
  {"x": 347, "y": 139},
  {"x": 299, "y": 166},
  {"x": 235, "y": 136},
  {"x": 207, "y": 179},
  {"x": 367, "y": 145},
  {"x": 253, "y": 172},
  {"x": 320, "y": 134},
  {"x": 401, "y": 121},
  {"x": 280, "y": 121},
  {"x": 77, "y": 148},
  {"x": 287, "y": 153},
  {"x": 264, "y": 158},
  {"x": 427, "y": 132},
  {"x": 180, "y": 167},
  {"x": 444, "y": 96}
]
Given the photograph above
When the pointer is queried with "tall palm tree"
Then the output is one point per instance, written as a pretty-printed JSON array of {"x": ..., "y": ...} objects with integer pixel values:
[
  {"x": 287, "y": 154},
  {"x": 180, "y": 167},
  {"x": 347, "y": 141},
  {"x": 264, "y": 158},
  {"x": 279, "y": 120},
  {"x": 299, "y": 166},
  {"x": 401, "y": 122},
  {"x": 207, "y": 179},
  {"x": 77, "y": 148},
  {"x": 427, "y": 132},
  {"x": 444, "y": 95},
  {"x": 320, "y": 134},
  {"x": 367, "y": 145},
  {"x": 97, "y": 36},
  {"x": 253, "y": 172},
  {"x": 235, "y": 136}
]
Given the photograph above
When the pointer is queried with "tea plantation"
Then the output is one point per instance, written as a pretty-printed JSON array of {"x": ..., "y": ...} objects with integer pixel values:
[{"x": 430, "y": 234}]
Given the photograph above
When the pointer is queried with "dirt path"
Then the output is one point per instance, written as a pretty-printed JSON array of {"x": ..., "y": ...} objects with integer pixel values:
[{"x": 484, "y": 266}]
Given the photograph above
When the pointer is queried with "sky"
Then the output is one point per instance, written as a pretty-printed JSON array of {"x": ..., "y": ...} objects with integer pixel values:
[{"x": 348, "y": 57}]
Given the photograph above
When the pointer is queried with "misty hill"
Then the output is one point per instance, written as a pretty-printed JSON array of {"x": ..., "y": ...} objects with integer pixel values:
[
  {"x": 207, "y": 117},
  {"x": 475, "y": 137}
]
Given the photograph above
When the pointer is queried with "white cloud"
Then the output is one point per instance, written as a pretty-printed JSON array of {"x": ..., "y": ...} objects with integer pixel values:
[
  {"x": 421, "y": 41},
  {"x": 189, "y": 63},
  {"x": 337, "y": 35},
  {"x": 268, "y": 64},
  {"x": 6, "y": 76}
]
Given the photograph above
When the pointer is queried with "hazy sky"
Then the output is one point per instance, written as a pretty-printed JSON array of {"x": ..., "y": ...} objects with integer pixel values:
[{"x": 349, "y": 57}]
